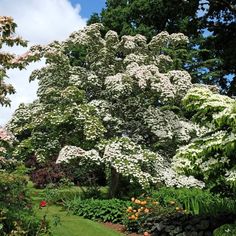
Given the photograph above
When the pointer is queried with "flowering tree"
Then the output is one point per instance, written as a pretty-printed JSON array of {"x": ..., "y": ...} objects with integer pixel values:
[
  {"x": 210, "y": 157},
  {"x": 116, "y": 100},
  {"x": 8, "y": 60}
]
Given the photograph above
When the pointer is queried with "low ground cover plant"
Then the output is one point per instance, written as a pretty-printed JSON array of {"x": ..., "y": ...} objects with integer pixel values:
[
  {"x": 225, "y": 230},
  {"x": 106, "y": 210}
]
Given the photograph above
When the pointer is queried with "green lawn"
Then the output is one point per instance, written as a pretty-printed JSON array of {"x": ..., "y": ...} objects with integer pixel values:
[{"x": 70, "y": 225}]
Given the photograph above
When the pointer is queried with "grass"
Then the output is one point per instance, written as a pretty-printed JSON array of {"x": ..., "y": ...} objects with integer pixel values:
[
  {"x": 68, "y": 225},
  {"x": 71, "y": 225}
]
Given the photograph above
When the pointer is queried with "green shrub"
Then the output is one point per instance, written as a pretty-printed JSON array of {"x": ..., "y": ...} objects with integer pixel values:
[
  {"x": 196, "y": 201},
  {"x": 59, "y": 195},
  {"x": 225, "y": 230},
  {"x": 111, "y": 210},
  {"x": 16, "y": 212},
  {"x": 64, "y": 194}
]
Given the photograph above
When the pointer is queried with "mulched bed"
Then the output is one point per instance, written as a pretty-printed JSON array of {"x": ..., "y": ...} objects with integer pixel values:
[{"x": 120, "y": 228}]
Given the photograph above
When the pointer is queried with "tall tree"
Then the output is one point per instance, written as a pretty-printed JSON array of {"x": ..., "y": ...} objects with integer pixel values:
[
  {"x": 110, "y": 100},
  {"x": 209, "y": 24}
]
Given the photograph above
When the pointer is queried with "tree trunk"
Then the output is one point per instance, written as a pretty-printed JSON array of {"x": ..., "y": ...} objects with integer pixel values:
[{"x": 114, "y": 183}]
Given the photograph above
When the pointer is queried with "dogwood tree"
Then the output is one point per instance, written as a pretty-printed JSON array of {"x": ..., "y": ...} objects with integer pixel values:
[
  {"x": 117, "y": 100},
  {"x": 210, "y": 157}
]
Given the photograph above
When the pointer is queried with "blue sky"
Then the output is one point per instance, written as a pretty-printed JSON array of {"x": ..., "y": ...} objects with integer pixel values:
[{"x": 89, "y": 6}]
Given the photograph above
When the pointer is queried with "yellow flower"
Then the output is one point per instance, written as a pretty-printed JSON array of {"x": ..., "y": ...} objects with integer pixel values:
[{"x": 172, "y": 202}]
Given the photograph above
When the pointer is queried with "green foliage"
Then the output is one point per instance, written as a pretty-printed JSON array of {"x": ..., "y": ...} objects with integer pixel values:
[
  {"x": 225, "y": 230},
  {"x": 16, "y": 210},
  {"x": 196, "y": 201},
  {"x": 102, "y": 210}
]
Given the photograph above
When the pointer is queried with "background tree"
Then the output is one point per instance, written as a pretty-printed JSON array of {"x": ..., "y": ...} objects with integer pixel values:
[{"x": 210, "y": 26}]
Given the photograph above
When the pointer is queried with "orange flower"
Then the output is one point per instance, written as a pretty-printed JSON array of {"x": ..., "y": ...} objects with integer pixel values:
[
  {"x": 146, "y": 210},
  {"x": 137, "y": 201},
  {"x": 143, "y": 203},
  {"x": 133, "y": 217}
]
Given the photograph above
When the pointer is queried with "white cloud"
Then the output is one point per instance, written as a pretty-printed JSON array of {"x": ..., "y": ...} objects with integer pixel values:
[{"x": 40, "y": 22}]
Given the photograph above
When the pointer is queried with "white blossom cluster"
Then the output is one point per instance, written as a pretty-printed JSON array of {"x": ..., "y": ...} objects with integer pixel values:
[
  {"x": 202, "y": 99},
  {"x": 122, "y": 154},
  {"x": 6, "y": 142},
  {"x": 129, "y": 159},
  {"x": 167, "y": 126},
  {"x": 68, "y": 153},
  {"x": 230, "y": 177}
]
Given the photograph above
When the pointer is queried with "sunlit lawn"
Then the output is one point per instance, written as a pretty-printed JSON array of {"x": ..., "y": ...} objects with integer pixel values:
[{"x": 67, "y": 224}]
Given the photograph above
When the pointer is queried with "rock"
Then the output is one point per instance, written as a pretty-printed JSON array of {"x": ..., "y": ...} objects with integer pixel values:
[
  {"x": 208, "y": 233},
  {"x": 169, "y": 228},
  {"x": 193, "y": 233},
  {"x": 177, "y": 230},
  {"x": 181, "y": 234},
  {"x": 189, "y": 228},
  {"x": 203, "y": 225}
]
